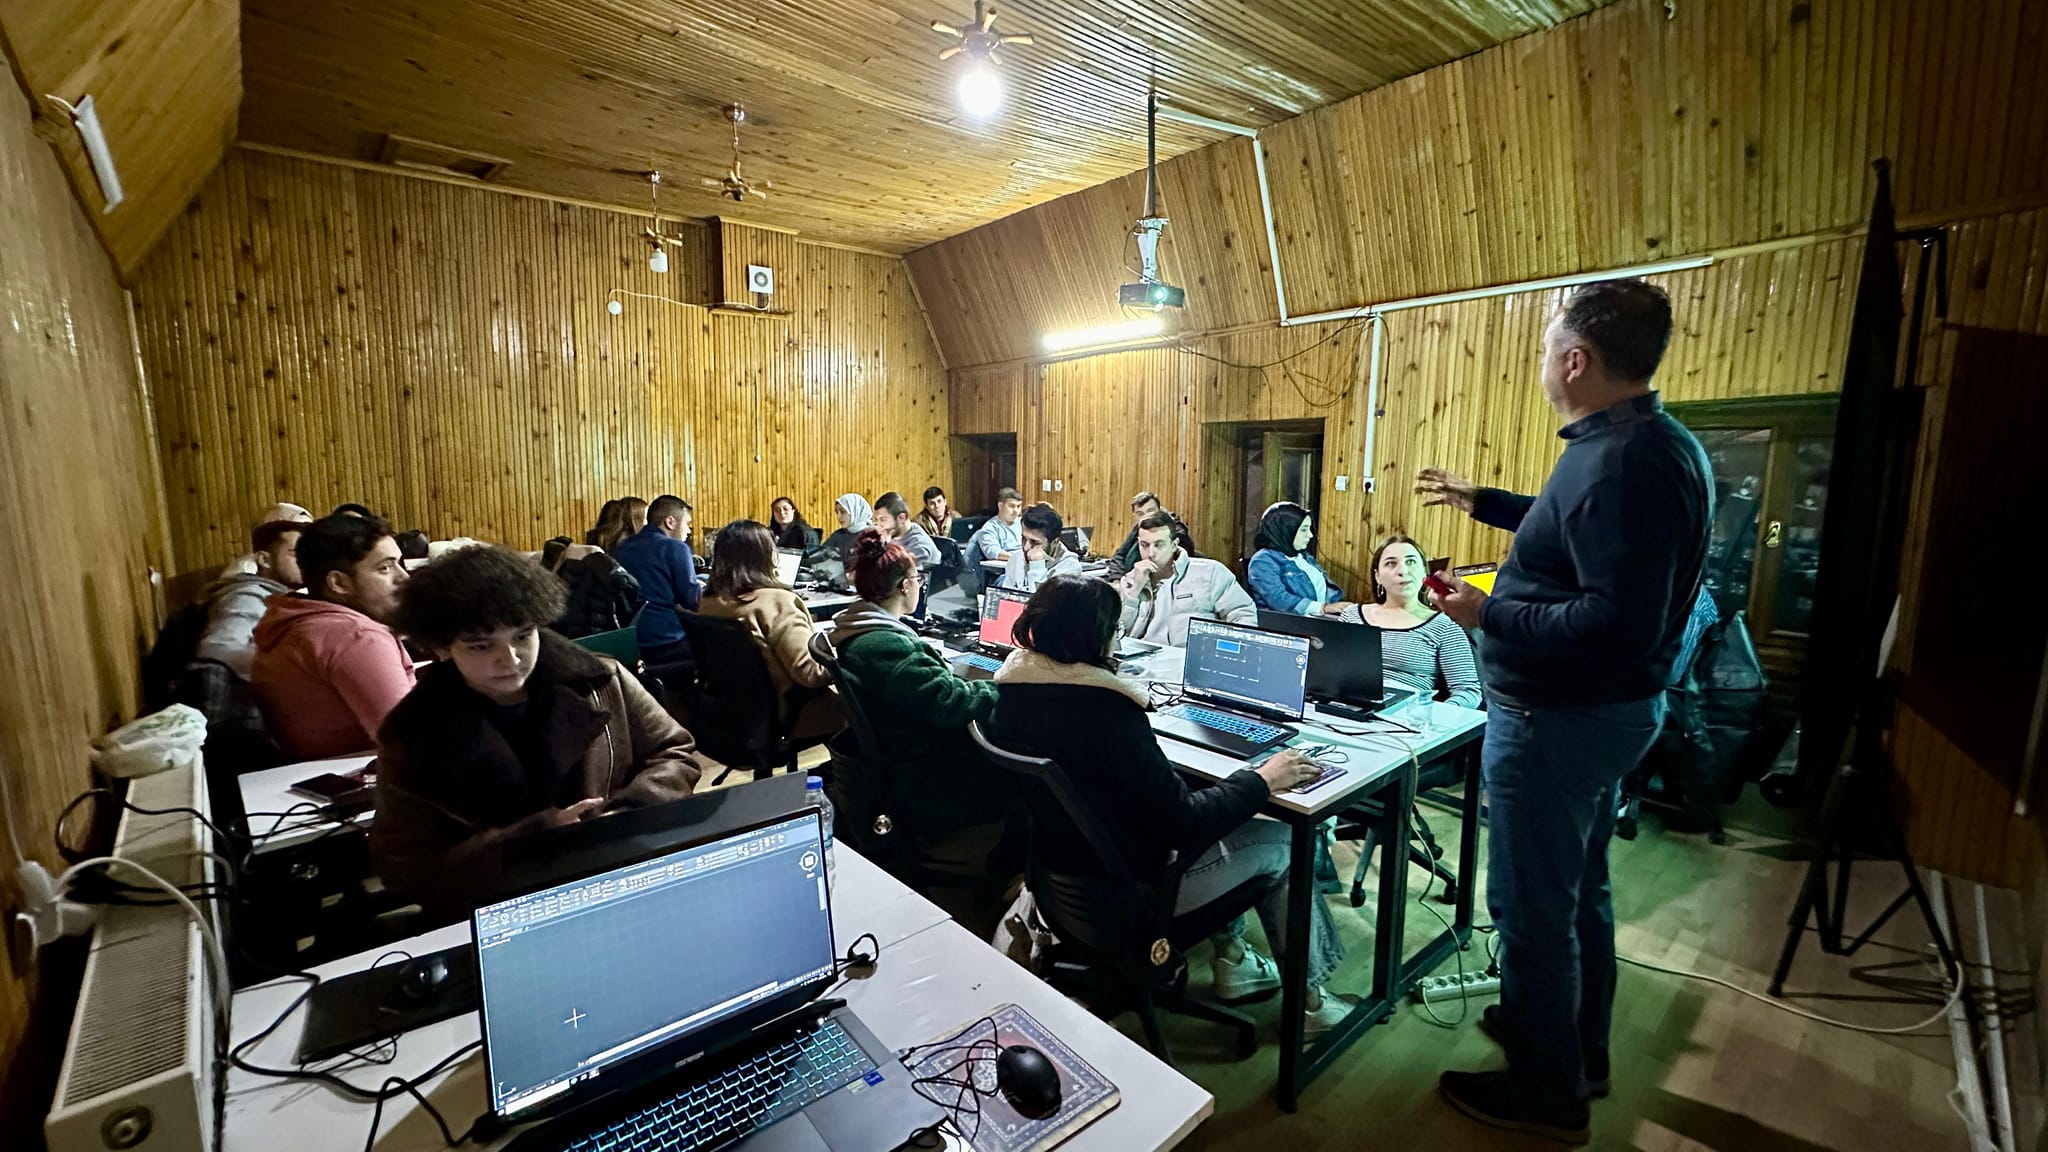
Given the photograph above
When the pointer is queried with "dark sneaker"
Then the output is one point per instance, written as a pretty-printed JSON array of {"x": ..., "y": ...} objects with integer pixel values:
[
  {"x": 1491, "y": 1023},
  {"x": 1487, "y": 1098}
]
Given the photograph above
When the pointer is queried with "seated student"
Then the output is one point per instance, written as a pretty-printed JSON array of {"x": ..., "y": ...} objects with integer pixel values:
[
  {"x": 951, "y": 801},
  {"x": 235, "y": 604},
  {"x": 603, "y": 596},
  {"x": 661, "y": 562},
  {"x": 514, "y": 730},
  {"x": 892, "y": 516},
  {"x": 788, "y": 526},
  {"x": 245, "y": 564},
  {"x": 1284, "y": 576},
  {"x": 608, "y": 518},
  {"x": 743, "y": 587},
  {"x": 356, "y": 510},
  {"x": 1057, "y": 698},
  {"x": 1125, "y": 557},
  {"x": 1000, "y": 534},
  {"x": 1167, "y": 588},
  {"x": 936, "y": 518},
  {"x": 328, "y": 668},
  {"x": 1041, "y": 556},
  {"x": 1420, "y": 647},
  {"x": 855, "y": 517}
]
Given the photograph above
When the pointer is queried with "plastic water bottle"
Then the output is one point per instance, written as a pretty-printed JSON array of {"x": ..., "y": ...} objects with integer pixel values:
[{"x": 814, "y": 795}]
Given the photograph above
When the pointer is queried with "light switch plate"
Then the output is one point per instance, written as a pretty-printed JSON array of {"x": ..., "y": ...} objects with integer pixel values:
[
  {"x": 1343, "y": 483},
  {"x": 1045, "y": 485}
]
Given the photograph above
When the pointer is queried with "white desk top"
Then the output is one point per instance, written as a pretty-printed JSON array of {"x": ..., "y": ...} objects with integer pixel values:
[
  {"x": 269, "y": 791},
  {"x": 1374, "y": 749},
  {"x": 825, "y": 601},
  {"x": 265, "y": 1113},
  {"x": 942, "y": 979}
]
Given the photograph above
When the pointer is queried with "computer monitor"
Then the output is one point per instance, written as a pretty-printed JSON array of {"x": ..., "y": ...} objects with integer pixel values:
[
  {"x": 1076, "y": 539},
  {"x": 620, "y": 975},
  {"x": 1263, "y": 671},
  {"x": 1000, "y": 608},
  {"x": 788, "y": 562},
  {"x": 1345, "y": 663}
]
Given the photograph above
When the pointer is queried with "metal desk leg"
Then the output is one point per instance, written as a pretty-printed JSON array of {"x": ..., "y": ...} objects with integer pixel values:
[
  {"x": 1468, "y": 844},
  {"x": 1294, "y": 966},
  {"x": 1390, "y": 934}
]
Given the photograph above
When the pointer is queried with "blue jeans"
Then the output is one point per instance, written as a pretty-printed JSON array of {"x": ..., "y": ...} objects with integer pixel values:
[
  {"x": 1260, "y": 848},
  {"x": 1551, "y": 775}
]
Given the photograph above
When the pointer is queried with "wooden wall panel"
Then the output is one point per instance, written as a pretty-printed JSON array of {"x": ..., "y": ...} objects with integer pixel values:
[
  {"x": 444, "y": 355},
  {"x": 166, "y": 79},
  {"x": 1620, "y": 137},
  {"x": 80, "y": 505}
]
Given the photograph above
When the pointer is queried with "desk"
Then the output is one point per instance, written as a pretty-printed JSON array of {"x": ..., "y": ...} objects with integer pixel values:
[
  {"x": 268, "y": 794},
  {"x": 933, "y": 976},
  {"x": 1378, "y": 769},
  {"x": 823, "y": 602}
]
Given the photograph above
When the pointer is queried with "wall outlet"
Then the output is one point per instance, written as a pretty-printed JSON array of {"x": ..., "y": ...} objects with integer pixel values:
[
  {"x": 1365, "y": 484},
  {"x": 1343, "y": 483},
  {"x": 1059, "y": 485}
]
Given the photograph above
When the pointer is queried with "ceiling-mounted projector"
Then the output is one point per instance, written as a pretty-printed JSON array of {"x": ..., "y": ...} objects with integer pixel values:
[{"x": 1151, "y": 294}]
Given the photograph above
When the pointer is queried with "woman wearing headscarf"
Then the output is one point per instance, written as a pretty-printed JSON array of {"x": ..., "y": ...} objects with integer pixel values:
[
  {"x": 1283, "y": 572},
  {"x": 855, "y": 517}
]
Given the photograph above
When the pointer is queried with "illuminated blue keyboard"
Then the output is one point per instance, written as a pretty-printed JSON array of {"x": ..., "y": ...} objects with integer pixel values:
[
  {"x": 977, "y": 660},
  {"x": 1252, "y": 730},
  {"x": 741, "y": 1098}
]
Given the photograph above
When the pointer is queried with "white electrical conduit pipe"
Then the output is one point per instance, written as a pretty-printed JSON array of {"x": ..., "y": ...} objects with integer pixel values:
[
  {"x": 1968, "y": 1086},
  {"x": 1994, "y": 1028}
]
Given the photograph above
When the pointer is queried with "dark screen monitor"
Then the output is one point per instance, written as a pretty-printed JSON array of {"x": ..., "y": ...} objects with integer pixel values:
[{"x": 1344, "y": 660}]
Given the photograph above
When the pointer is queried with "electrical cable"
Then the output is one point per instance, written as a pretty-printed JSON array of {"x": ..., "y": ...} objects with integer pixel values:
[
  {"x": 223, "y": 989},
  {"x": 1955, "y": 993},
  {"x": 967, "y": 1089}
]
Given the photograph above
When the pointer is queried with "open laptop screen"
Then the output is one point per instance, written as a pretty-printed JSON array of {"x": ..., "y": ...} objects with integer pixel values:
[
  {"x": 999, "y": 611},
  {"x": 1235, "y": 665},
  {"x": 789, "y": 562},
  {"x": 583, "y": 976}
]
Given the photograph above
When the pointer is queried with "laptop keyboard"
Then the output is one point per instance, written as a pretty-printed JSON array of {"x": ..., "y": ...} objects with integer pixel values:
[
  {"x": 752, "y": 1094},
  {"x": 1236, "y": 725},
  {"x": 979, "y": 660}
]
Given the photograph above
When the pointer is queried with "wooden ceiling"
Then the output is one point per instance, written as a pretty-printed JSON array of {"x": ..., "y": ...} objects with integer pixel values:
[{"x": 851, "y": 114}]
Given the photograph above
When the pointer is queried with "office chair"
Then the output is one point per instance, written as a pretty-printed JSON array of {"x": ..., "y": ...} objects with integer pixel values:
[
  {"x": 863, "y": 782},
  {"x": 947, "y": 572},
  {"x": 736, "y": 714},
  {"x": 1120, "y": 947},
  {"x": 1360, "y": 822}
]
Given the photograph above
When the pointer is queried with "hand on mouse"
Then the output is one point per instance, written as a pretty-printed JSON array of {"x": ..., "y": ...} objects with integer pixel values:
[{"x": 1289, "y": 769}]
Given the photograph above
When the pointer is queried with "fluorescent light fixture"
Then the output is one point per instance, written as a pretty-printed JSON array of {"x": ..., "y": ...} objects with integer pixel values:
[
  {"x": 1107, "y": 334},
  {"x": 87, "y": 120}
]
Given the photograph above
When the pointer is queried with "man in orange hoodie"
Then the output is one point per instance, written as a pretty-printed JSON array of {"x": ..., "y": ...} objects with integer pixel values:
[{"x": 327, "y": 667}]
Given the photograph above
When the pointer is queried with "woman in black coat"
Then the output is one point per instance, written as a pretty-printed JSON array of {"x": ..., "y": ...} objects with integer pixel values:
[{"x": 1057, "y": 698}]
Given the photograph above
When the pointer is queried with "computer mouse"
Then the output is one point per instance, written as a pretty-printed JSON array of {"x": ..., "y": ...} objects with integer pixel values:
[
  {"x": 1028, "y": 1081},
  {"x": 422, "y": 979}
]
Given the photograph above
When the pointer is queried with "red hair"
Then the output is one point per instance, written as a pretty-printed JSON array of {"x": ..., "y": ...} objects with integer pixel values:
[{"x": 879, "y": 564}]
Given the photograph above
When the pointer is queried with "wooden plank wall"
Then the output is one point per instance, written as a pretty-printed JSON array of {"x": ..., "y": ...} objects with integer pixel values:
[
  {"x": 1616, "y": 138},
  {"x": 443, "y": 354},
  {"x": 81, "y": 509},
  {"x": 166, "y": 79}
]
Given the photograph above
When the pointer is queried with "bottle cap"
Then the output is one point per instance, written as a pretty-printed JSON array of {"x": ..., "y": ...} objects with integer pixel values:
[{"x": 813, "y": 784}]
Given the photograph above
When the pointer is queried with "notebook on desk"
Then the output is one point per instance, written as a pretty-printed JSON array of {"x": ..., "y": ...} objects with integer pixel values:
[
  {"x": 672, "y": 1004},
  {"x": 1242, "y": 687}
]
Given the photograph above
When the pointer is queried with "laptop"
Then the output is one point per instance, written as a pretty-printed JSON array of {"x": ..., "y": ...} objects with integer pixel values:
[
  {"x": 789, "y": 562},
  {"x": 672, "y": 1003},
  {"x": 1076, "y": 539},
  {"x": 1243, "y": 686},
  {"x": 995, "y": 639},
  {"x": 1346, "y": 673}
]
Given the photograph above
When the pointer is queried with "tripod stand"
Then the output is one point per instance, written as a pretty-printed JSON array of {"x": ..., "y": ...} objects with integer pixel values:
[{"x": 1857, "y": 800}]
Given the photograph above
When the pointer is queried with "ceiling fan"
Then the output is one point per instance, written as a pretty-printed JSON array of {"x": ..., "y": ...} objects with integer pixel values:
[
  {"x": 980, "y": 38},
  {"x": 734, "y": 185}
]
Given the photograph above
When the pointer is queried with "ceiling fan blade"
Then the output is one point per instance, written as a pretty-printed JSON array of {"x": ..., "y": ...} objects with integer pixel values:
[
  {"x": 988, "y": 19},
  {"x": 948, "y": 29},
  {"x": 949, "y": 52},
  {"x": 756, "y": 192},
  {"x": 708, "y": 182},
  {"x": 1019, "y": 38}
]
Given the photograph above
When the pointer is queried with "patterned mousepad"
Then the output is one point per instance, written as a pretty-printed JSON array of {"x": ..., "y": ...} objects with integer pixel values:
[{"x": 943, "y": 1069}]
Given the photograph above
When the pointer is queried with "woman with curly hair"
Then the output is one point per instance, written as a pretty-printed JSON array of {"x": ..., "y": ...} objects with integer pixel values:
[{"x": 513, "y": 730}]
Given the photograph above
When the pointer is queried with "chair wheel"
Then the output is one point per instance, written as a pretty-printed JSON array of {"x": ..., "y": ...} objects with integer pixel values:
[
  {"x": 1358, "y": 895},
  {"x": 1449, "y": 895},
  {"x": 1247, "y": 1043},
  {"x": 1625, "y": 827}
]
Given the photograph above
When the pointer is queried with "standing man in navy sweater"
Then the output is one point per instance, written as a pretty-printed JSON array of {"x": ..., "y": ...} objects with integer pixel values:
[
  {"x": 1578, "y": 640},
  {"x": 659, "y": 558}
]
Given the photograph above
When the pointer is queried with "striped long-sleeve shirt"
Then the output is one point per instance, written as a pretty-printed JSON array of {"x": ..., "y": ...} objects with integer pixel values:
[{"x": 1434, "y": 653}]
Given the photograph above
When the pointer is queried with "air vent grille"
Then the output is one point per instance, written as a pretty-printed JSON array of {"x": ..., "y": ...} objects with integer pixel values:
[{"x": 135, "y": 1008}]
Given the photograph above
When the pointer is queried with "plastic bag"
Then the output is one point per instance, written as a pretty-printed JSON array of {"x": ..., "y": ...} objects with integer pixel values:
[{"x": 167, "y": 739}]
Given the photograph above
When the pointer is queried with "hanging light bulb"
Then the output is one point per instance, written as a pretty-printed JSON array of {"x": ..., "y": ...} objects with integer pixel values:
[
  {"x": 657, "y": 263},
  {"x": 615, "y": 307},
  {"x": 980, "y": 90}
]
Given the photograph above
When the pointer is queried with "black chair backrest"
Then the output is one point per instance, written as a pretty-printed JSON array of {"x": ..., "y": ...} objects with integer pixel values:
[
  {"x": 736, "y": 713},
  {"x": 950, "y": 553},
  {"x": 1127, "y": 924}
]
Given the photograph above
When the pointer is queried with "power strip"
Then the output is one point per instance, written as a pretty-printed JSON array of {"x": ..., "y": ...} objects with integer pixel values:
[{"x": 1431, "y": 989}]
